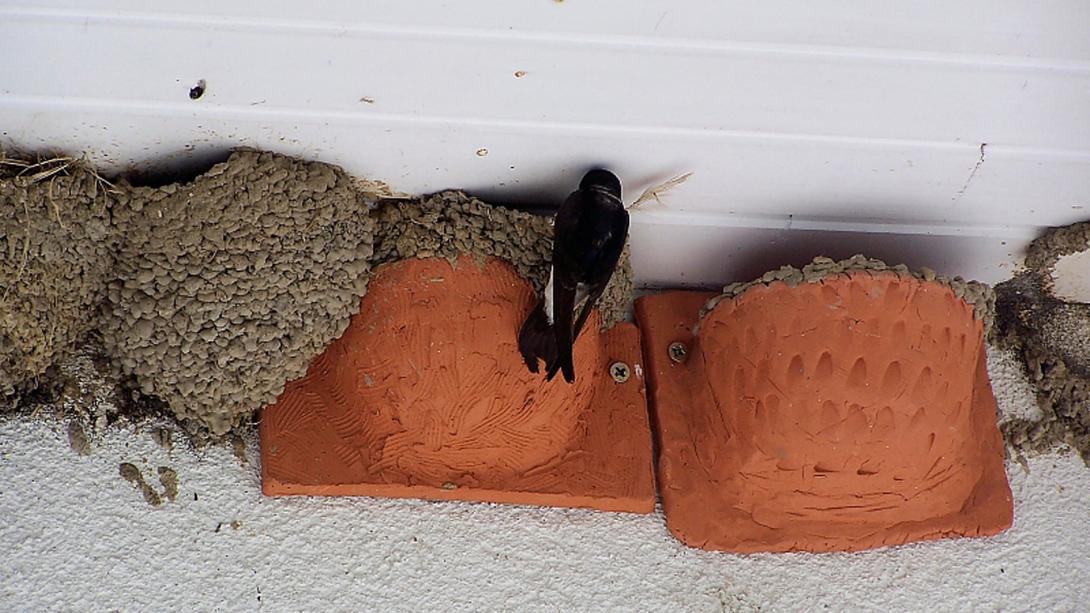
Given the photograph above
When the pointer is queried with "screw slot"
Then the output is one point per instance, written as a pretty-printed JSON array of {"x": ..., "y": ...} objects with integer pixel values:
[
  {"x": 620, "y": 372},
  {"x": 678, "y": 352}
]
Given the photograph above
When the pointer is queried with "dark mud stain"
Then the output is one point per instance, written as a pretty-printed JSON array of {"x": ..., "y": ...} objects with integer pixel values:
[
  {"x": 169, "y": 480},
  {"x": 77, "y": 438},
  {"x": 132, "y": 474}
]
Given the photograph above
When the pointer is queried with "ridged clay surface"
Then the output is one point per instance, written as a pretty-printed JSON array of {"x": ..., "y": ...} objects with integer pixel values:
[
  {"x": 843, "y": 414},
  {"x": 426, "y": 395}
]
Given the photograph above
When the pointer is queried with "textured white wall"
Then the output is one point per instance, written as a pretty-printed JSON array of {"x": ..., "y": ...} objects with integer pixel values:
[
  {"x": 939, "y": 133},
  {"x": 76, "y": 537}
]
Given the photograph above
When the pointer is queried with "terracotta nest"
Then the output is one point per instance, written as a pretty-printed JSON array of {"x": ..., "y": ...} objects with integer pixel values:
[
  {"x": 426, "y": 395},
  {"x": 842, "y": 414}
]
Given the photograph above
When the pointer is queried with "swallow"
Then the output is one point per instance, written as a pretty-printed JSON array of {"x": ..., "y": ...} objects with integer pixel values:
[{"x": 590, "y": 231}]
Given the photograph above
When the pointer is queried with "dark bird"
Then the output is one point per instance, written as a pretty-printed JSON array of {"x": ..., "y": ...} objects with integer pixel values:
[{"x": 589, "y": 233}]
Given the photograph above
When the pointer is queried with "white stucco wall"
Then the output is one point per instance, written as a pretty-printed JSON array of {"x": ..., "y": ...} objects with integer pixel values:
[{"x": 76, "y": 537}]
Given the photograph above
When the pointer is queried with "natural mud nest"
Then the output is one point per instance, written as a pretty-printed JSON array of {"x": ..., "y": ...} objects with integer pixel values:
[
  {"x": 1053, "y": 337},
  {"x": 228, "y": 286},
  {"x": 1046, "y": 251},
  {"x": 450, "y": 224},
  {"x": 56, "y": 254},
  {"x": 979, "y": 295},
  {"x": 210, "y": 295}
]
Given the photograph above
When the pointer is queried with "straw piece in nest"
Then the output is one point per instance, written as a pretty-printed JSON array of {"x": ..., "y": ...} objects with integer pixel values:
[
  {"x": 56, "y": 251},
  {"x": 655, "y": 192},
  {"x": 374, "y": 189},
  {"x": 28, "y": 173}
]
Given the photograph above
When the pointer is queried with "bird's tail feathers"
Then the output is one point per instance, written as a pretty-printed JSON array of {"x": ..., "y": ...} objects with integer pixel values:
[
  {"x": 537, "y": 340},
  {"x": 564, "y": 362}
]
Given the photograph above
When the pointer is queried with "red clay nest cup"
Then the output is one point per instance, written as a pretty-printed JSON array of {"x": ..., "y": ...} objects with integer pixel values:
[
  {"x": 844, "y": 414},
  {"x": 426, "y": 395}
]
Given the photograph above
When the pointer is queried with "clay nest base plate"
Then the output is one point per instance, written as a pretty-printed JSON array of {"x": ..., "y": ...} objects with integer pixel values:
[
  {"x": 426, "y": 396},
  {"x": 844, "y": 413}
]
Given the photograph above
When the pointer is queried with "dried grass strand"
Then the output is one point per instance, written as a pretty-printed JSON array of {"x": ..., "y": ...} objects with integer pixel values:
[{"x": 655, "y": 192}]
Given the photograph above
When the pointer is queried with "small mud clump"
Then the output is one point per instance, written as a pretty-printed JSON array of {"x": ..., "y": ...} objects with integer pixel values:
[
  {"x": 238, "y": 448},
  {"x": 979, "y": 295},
  {"x": 77, "y": 438},
  {"x": 450, "y": 224},
  {"x": 132, "y": 474},
  {"x": 56, "y": 254},
  {"x": 228, "y": 286},
  {"x": 1053, "y": 337},
  {"x": 163, "y": 438},
  {"x": 168, "y": 478}
]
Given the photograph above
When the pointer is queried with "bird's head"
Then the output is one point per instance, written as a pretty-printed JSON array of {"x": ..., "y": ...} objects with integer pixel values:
[{"x": 602, "y": 180}]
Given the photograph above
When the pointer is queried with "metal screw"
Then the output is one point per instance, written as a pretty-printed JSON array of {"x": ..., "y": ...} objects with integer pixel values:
[
  {"x": 678, "y": 352},
  {"x": 450, "y": 486},
  {"x": 620, "y": 372}
]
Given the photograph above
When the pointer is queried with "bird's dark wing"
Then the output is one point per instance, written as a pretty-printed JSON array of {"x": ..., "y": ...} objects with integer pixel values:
[
  {"x": 591, "y": 230},
  {"x": 567, "y": 262},
  {"x": 603, "y": 262}
]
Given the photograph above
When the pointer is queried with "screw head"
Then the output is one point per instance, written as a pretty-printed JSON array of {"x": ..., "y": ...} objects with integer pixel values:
[
  {"x": 678, "y": 352},
  {"x": 620, "y": 372},
  {"x": 450, "y": 485}
]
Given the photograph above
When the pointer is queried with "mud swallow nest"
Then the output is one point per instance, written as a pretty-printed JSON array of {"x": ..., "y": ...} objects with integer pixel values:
[
  {"x": 1053, "y": 337},
  {"x": 216, "y": 292},
  {"x": 56, "y": 250}
]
